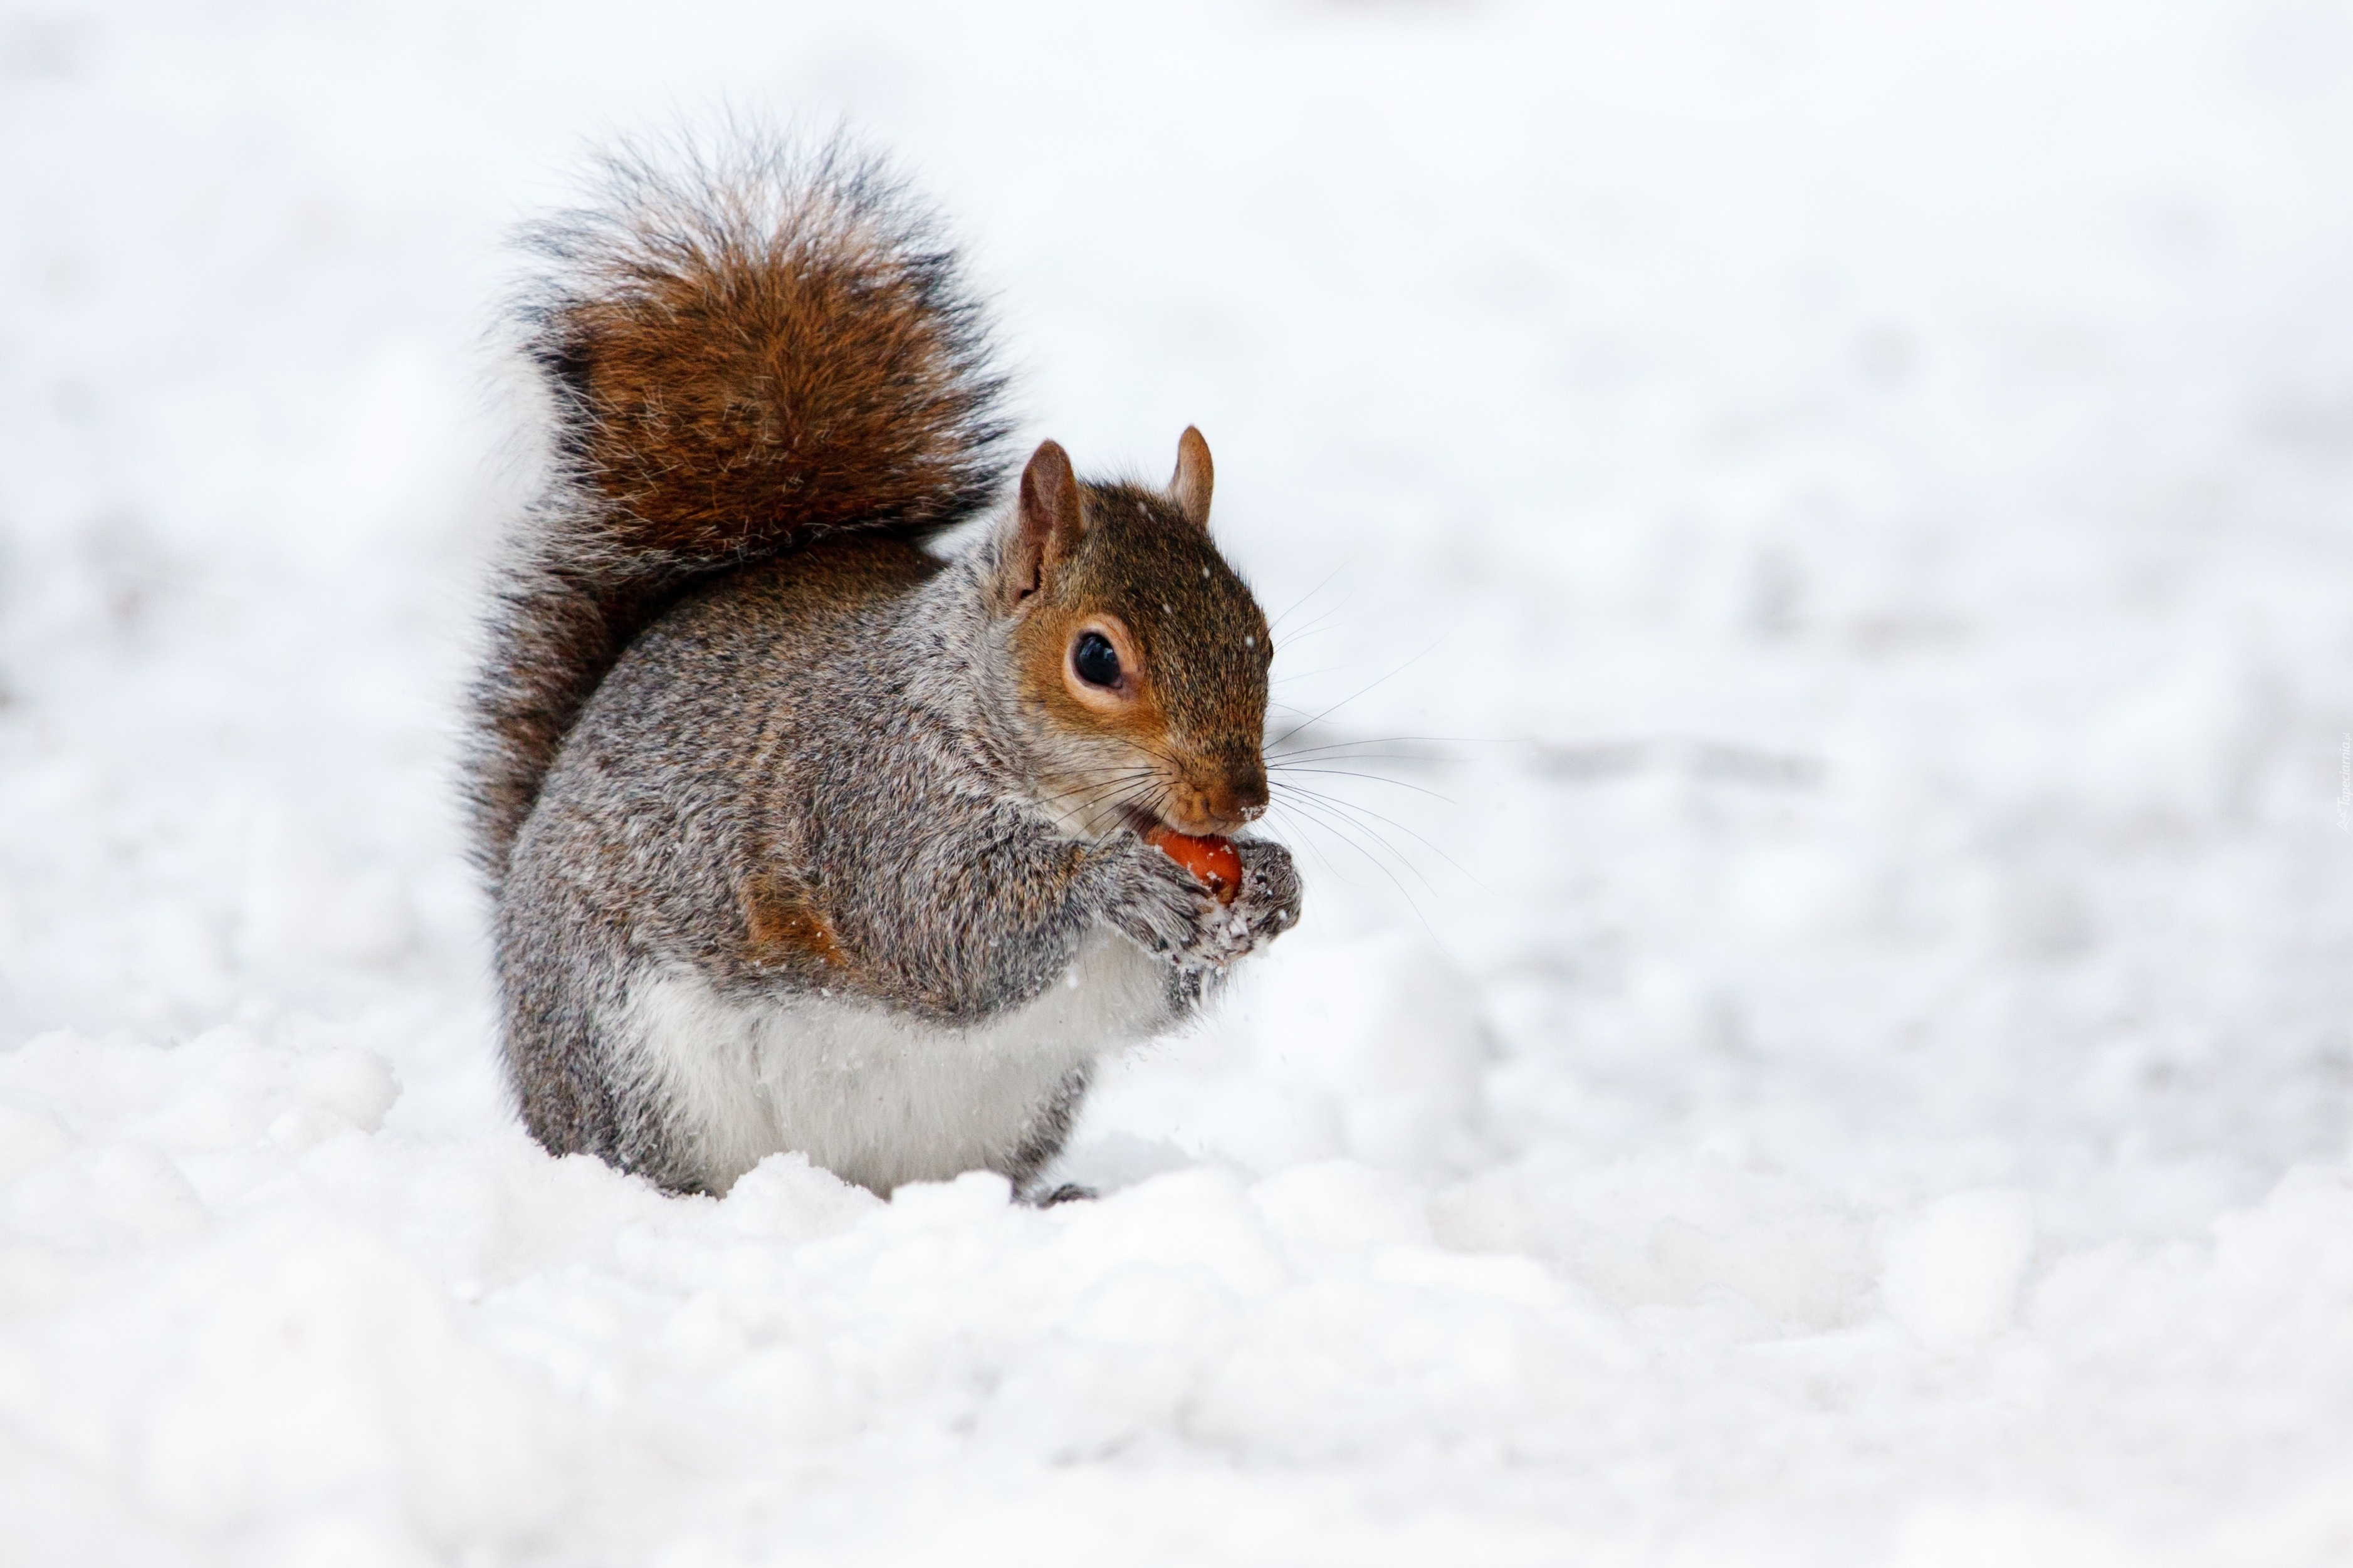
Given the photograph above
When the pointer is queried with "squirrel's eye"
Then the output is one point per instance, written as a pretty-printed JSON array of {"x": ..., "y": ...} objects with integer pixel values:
[{"x": 1095, "y": 660}]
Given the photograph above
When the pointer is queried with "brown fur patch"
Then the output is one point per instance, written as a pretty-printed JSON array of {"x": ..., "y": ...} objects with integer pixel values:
[
  {"x": 783, "y": 924},
  {"x": 754, "y": 356},
  {"x": 795, "y": 377}
]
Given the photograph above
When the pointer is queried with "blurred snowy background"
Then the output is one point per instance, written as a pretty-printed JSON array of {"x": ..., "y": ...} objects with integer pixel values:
[{"x": 1835, "y": 1048}]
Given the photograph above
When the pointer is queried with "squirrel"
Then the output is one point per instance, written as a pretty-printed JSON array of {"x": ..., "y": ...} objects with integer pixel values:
[{"x": 802, "y": 834}]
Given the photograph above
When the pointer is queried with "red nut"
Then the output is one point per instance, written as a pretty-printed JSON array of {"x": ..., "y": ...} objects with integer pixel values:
[{"x": 1213, "y": 862}]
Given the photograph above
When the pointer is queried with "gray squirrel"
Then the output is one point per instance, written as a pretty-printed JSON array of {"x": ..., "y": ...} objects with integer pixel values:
[{"x": 802, "y": 836}]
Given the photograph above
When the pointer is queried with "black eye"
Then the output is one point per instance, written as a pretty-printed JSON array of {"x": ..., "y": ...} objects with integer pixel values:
[{"x": 1096, "y": 660}]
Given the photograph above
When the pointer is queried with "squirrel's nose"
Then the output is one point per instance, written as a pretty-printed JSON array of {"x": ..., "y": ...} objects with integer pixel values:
[
  {"x": 1246, "y": 792},
  {"x": 1223, "y": 799}
]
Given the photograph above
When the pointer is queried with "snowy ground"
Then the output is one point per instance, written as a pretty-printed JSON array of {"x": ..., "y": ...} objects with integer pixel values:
[{"x": 1850, "y": 1062}]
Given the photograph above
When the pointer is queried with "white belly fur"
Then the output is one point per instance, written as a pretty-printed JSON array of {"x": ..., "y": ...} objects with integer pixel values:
[{"x": 877, "y": 1100}]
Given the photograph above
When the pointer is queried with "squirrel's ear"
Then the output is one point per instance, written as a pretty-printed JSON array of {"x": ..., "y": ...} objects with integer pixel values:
[
  {"x": 1190, "y": 489},
  {"x": 1052, "y": 518}
]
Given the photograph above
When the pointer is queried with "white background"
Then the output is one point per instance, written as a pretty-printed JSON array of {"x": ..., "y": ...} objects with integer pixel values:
[{"x": 1850, "y": 1061}]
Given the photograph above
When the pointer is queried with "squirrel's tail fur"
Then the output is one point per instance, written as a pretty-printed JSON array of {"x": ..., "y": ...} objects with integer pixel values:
[{"x": 745, "y": 352}]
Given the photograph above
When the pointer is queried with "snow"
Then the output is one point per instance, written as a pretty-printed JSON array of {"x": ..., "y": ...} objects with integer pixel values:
[
  {"x": 1951, "y": 1273},
  {"x": 1836, "y": 1048}
]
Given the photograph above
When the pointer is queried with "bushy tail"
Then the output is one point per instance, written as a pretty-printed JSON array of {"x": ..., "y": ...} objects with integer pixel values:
[{"x": 745, "y": 353}]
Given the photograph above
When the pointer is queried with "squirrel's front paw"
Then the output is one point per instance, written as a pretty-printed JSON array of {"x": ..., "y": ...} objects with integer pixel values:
[
  {"x": 1268, "y": 904},
  {"x": 1170, "y": 912},
  {"x": 1164, "y": 908}
]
